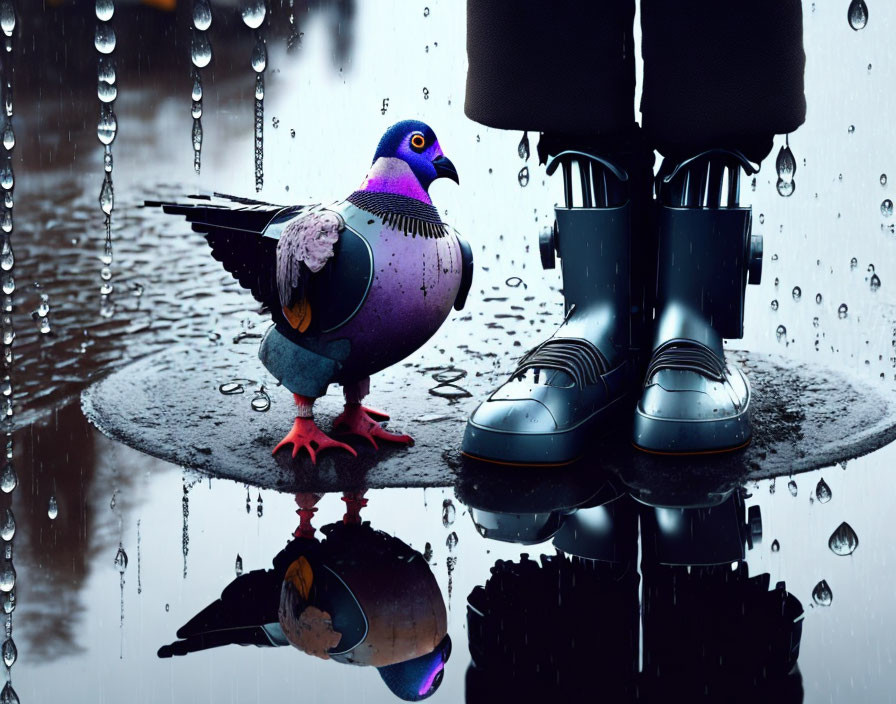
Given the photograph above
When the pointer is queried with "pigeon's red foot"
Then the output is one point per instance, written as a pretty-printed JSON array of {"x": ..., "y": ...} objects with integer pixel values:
[
  {"x": 305, "y": 434},
  {"x": 355, "y": 419}
]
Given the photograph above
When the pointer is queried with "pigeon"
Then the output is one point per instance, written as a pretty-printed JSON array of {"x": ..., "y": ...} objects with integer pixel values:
[{"x": 352, "y": 287}]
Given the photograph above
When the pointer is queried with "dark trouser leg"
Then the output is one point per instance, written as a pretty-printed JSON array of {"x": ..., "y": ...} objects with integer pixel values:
[
  {"x": 721, "y": 74},
  {"x": 564, "y": 66}
]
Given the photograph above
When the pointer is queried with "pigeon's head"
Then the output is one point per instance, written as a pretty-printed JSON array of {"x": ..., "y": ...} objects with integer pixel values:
[{"x": 415, "y": 145}]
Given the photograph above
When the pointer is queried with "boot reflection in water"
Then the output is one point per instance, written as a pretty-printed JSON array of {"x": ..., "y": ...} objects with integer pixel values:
[
  {"x": 358, "y": 597},
  {"x": 654, "y": 267}
]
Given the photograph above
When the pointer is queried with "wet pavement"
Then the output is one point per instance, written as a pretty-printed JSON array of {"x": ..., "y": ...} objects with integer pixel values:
[{"x": 137, "y": 546}]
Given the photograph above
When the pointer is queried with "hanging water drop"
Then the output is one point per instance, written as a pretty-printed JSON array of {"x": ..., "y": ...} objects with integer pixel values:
[
  {"x": 776, "y": 546},
  {"x": 8, "y": 527},
  {"x": 7, "y": 576},
  {"x": 238, "y": 567},
  {"x": 8, "y": 479},
  {"x": 874, "y": 282},
  {"x": 10, "y": 652},
  {"x": 523, "y": 177},
  {"x": 104, "y": 39},
  {"x": 785, "y": 188},
  {"x": 107, "y": 196},
  {"x": 886, "y": 208},
  {"x": 857, "y": 14},
  {"x": 451, "y": 541},
  {"x": 104, "y": 10},
  {"x": 822, "y": 492},
  {"x": 785, "y": 164},
  {"x": 844, "y": 540},
  {"x": 523, "y": 148},
  {"x": 52, "y": 508},
  {"x": 781, "y": 333},
  {"x": 121, "y": 559},
  {"x": 822, "y": 594},
  {"x": 8, "y": 695},
  {"x": 448, "y": 512},
  {"x": 253, "y": 13},
  {"x": 200, "y": 50},
  {"x": 792, "y": 487},
  {"x": 259, "y": 59},
  {"x": 107, "y": 126},
  {"x": 202, "y": 15},
  {"x": 7, "y": 17}
]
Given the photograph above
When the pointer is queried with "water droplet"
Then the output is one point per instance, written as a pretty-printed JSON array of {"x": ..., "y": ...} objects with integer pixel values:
[
  {"x": 106, "y": 92},
  {"x": 167, "y": 607},
  {"x": 7, "y": 576},
  {"x": 776, "y": 546},
  {"x": 196, "y": 135},
  {"x": 797, "y": 293},
  {"x": 761, "y": 218},
  {"x": 853, "y": 263},
  {"x": 426, "y": 12},
  {"x": 106, "y": 70},
  {"x": 857, "y": 14},
  {"x": 448, "y": 512},
  {"x": 451, "y": 541},
  {"x": 785, "y": 164},
  {"x": 774, "y": 304},
  {"x": 202, "y": 15},
  {"x": 875, "y": 282},
  {"x": 196, "y": 95},
  {"x": 844, "y": 540},
  {"x": 52, "y": 508},
  {"x": 523, "y": 148},
  {"x": 792, "y": 488},
  {"x": 781, "y": 333},
  {"x": 883, "y": 179},
  {"x": 253, "y": 13},
  {"x": 10, "y": 652},
  {"x": 104, "y": 39},
  {"x": 818, "y": 298},
  {"x": 426, "y": 93},
  {"x": 8, "y": 527},
  {"x": 107, "y": 196},
  {"x": 8, "y": 695},
  {"x": 822, "y": 594},
  {"x": 261, "y": 402},
  {"x": 9, "y": 479},
  {"x": 107, "y": 126},
  {"x": 259, "y": 95},
  {"x": 200, "y": 50},
  {"x": 851, "y": 129},
  {"x": 822, "y": 492},
  {"x": 886, "y": 208},
  {"x": 523, "y": 176},
  {"x": 104, "y": 10},
  {"x": 259, "y": 58},
  {"x": 7, "y": 17},
  {"x": 196, "y": 109},
  {"x": 7, "y": 179},
  {"x": 121, "y": 559},
  {"x": 231, "y": 388},
  {"x": 785, "y": 188},
  {"x": 238, "y": 567},
  {"x": 842, "y": 311}
]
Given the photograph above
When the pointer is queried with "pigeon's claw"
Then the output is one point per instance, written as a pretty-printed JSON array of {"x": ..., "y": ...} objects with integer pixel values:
[
  {"x": 305, "y": 434},
  {"x": 375, "y": 413},
  {"x": 358, "y": 420}
]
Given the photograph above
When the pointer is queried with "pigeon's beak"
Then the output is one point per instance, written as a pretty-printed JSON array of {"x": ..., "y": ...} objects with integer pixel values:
[{"x": 444, "y": 168}]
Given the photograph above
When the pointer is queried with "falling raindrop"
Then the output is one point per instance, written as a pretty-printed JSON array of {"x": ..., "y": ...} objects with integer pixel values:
[
  {"x": 523, "y": 148},
  {"x": 8, "y": 479},
  {"x": 8, "y": 527},
  {"x": 875, "y": 282},
  {"x": 776, "y": 546},
  {"x": 259, "y": 509},
  {"x": 104, "y": 10},
  {"x": 883, "y": 179},
  {"x": 253, "y": 13},
  {"x": 818, "y": 298},
  {"x": 822, "y": 492},
  {"x": 792, "y": 487},
  {"x": 427, "y": 552},
  {"x": 238, "y": 567},
  {"x": 523, "y": 176},
  {"x": 448, "y": 512},
  {"x": 106, "y": 92},
  {"x": 842, "y": 311},
  {"x": 10, "y": 652},
  {"x": 104, "y": 39},
  {"x": 52, "y": 508},
  {"x": 785, "y": 188},
  {"x": 857, "y": 14},
  {"x": 121, "y": 559},
  {"x": 851, "y": 129},
  {"x": 8, "y": 695},
  {"x": 202, "y": 15},
  {"x": 7, "y": 576},
  {"x": 426, "y": 12},
  {"x": 426, "y": 93},
  {"x": 7, "y": 17},
  {"x": 853, "y": 263},
  {"x": 781, "y": 333},
  {"x": 761, "y": 218},
  {"x": 200, "y": 50},
  {"x": 797, "y": 293},
  {"x": 785, "y": 164},
  {"x": 774, "y": 304},
  {"x": 259, "y": 59},
  {"x": 451, "y": 541},
  {"x": 886, "y": 208},
  {"x": 822, "y": 594},
  {"x": 843, "y": 541}
]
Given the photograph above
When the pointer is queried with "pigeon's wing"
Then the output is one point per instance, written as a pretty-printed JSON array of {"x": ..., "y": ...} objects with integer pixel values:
[
  {"x": 304, "y": 248},
  {"x": 242, "y": 238},
  {"x": 247, "y": 605}
]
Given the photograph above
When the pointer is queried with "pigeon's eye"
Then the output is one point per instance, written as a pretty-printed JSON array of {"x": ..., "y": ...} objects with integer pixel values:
[{"x": 417, "y": 142}]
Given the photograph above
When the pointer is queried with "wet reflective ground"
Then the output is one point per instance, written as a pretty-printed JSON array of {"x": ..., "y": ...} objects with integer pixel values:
[{"x": 87, "y": 631}]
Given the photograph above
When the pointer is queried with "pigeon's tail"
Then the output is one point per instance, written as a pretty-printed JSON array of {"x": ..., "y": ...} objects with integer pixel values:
[{"x": 220, "y": 211}]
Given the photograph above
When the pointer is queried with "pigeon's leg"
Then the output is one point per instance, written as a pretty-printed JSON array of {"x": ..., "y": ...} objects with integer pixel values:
[
  {"x": 356, "y": 419},
  {"x": 305, "y": 434}
]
